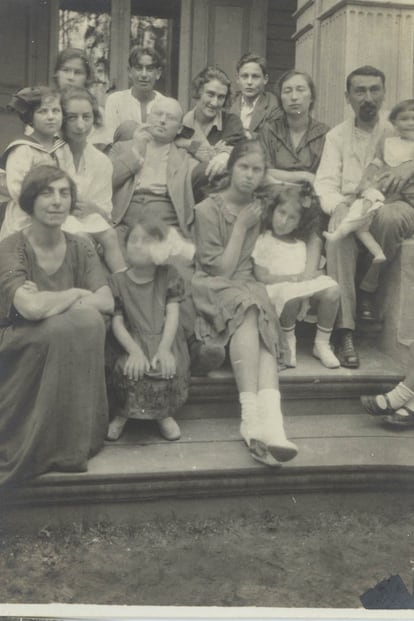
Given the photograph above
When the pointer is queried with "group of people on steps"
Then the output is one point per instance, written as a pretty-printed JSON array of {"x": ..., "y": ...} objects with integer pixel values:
[{"x": 140, "y": 244}]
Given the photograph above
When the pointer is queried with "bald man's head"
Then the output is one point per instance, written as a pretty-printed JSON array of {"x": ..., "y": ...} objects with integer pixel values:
[{"x": 165, "y": 119}]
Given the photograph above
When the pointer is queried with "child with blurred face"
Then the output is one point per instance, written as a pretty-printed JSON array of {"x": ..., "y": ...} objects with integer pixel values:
[{"x": 151, "y": 377}]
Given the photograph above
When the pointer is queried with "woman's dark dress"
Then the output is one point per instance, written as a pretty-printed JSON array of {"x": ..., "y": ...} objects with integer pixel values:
[
  {"x": 53, "y": 405},
  {"x": 221, "y": 302}
]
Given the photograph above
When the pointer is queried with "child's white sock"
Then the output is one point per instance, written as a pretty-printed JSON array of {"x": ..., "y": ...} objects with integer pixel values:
[
  {"x": 396, "y": 397},
  {"x": 322, "y": 348},
  {"x": 249, "y": 418},
  {"x": 271, "y": 419},
  {"x": 291, "y": 344}
]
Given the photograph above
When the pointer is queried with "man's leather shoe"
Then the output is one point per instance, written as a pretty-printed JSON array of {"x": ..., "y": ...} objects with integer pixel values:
[
  {"x": 367, "y": 310},
  {"x": 346, "y": 352}
]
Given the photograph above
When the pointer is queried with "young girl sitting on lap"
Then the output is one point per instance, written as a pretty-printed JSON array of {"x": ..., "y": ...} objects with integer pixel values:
[
  {"x": 233, "y": 308},
  {"x": 280, "y": 262},
  {"x": 394, "y": 150},
  {"x": 150, "y": 378}
]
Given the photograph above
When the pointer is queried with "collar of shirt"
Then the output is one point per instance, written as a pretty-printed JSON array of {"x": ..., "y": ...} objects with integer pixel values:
[
  {"x": 246, "y": 111},
  {"x": 190, "y": 121},
  {"x": 245, "y": 105}
]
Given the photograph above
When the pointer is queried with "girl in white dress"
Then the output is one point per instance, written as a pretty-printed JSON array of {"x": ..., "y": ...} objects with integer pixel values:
[
  {"x": 280, "y": 257},
  {"x": 92, "y": 172}
]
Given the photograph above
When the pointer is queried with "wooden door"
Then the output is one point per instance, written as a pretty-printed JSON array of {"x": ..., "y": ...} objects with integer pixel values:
[
  {"x": 223, "y": 30},
  {"x": 24, "y": 49}
]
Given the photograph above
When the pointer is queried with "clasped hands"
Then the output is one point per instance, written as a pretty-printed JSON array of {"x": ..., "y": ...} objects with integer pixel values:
[{"x": 137, "y": 364}]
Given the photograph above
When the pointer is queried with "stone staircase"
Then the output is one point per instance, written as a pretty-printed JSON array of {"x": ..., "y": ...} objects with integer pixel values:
[{"x": 341, "y": 449}]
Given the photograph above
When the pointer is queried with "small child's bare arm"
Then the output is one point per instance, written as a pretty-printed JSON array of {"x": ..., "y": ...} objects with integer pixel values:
[{"x": 369, "y": 178}]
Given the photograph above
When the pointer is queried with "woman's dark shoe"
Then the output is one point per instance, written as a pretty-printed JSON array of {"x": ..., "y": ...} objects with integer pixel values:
[
  {"x": 346, "y": 352},
  {"x": 403, "y": 417},
  {"x": 371, "y": 406}
]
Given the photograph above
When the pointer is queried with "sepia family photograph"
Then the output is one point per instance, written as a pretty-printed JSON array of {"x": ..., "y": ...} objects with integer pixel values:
[{"x": 206, "y": 307}]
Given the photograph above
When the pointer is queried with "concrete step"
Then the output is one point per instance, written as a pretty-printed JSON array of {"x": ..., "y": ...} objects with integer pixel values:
[
  {"x": 341, "y": 451},
  {"x": 308, "y": 381}
]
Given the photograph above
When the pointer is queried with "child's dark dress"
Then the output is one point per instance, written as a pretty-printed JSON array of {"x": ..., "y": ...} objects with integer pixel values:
[{"x": 143, "y": 309}]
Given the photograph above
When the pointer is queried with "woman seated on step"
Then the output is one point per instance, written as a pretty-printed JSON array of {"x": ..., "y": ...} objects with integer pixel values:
[
  {"x": 209, "y": 131},
  {"x": 293, "y": 144},
  {"x": 53, "y": 295},
  {"x": 233, "y": 307}
]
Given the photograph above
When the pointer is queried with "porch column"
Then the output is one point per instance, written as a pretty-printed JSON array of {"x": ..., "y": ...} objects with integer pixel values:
[{"x": 333, "y": 37}]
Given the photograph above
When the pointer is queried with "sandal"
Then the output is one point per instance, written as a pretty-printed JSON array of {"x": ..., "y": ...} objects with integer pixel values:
[
  {"x": 403, "y": 417},
  {"x": 371, "y": 406}
]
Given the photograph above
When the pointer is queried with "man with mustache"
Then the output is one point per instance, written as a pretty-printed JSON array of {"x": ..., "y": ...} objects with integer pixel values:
[{"x": 349, "y": 148}]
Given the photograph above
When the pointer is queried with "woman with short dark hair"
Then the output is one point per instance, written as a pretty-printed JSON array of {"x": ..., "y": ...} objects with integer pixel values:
[
  {"x": 53, "y": 406},
  {"x": 294, "y": 142}
]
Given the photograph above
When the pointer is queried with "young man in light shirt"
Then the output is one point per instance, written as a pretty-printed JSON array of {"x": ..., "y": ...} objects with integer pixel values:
[{"x": 135, "y": 103}]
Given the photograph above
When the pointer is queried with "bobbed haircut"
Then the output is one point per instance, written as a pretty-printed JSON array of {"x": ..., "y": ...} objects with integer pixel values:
[
  {"x": 152, "y": 225},
  {"x": 38, "y": 179},
  {"x": 402, "y": 106},
  {"x": 290, "y": 74},
  {"x": 27, "y": 100},
  {"x": 212, "y": 72},
  {"x": 69, "y": 54},
  {"x": 243, "y": 148},
  {"x": 80, "y": 93},
  {"x": 251, "y": 57},
  {"x": 138, "y": 51},
  {"x": 311, "y": 215},
  {"x": 365, "y": 70}
]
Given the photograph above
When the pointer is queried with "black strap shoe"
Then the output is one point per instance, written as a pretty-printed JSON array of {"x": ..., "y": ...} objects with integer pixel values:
[{"x": 371, "y": 406}]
